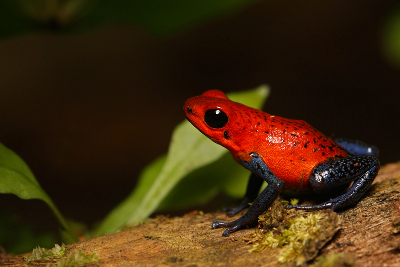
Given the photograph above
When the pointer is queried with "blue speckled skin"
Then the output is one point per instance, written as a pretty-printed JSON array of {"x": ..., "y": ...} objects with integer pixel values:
[
  {"x": 357, "y": 148},
  {"x": 360, "y": 167}
]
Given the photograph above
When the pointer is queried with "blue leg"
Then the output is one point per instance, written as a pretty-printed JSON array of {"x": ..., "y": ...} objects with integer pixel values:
[
  {"x": 253, "y": 188},
  {"x": 357, "y": 148},
  {"x": 262, "y": 202},
  {"x": 334, "y": 172},
  {"x": 361, "y": 168}
]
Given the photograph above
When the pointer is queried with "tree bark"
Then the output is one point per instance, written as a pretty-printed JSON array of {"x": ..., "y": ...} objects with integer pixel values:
[{"x": 367, "y": 236}]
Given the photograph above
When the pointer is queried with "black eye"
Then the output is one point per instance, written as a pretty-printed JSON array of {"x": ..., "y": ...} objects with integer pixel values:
[{"x": 215, "y": 118}]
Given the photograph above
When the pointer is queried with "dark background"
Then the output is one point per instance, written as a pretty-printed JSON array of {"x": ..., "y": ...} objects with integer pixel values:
[{"x": 88, "y": 111}]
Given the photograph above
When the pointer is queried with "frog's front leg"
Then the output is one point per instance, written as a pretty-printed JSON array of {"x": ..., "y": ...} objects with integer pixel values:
[
  {"x": 262, "y": 202},
  {"x": 361, "y": 170}
]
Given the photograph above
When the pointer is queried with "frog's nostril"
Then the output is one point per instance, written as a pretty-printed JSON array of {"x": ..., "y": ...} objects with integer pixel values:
[{"x": 189, "y": 110}]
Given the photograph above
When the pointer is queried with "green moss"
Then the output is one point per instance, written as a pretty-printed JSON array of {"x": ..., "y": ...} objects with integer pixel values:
[
  {"x": 275, "y": 216},
  {"x": 294, "y": 201},
  {"x": 333, "y": 260},
  {"x": 298, "y": 237},
  {"x": 396, "y": 225},
  {"x": 75, "y": 258},
  {"x": 39, "y": 253},
  {"x": 292, "y": 240}
]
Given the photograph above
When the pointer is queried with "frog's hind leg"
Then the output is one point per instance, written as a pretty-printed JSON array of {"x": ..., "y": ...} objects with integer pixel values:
[
  {"x": 361, "y": 170},
  {"x": 357, "y": 148},
  {"x": 253, "y": 188}
]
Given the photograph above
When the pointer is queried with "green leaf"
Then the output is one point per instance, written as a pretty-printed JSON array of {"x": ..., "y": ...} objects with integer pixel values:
[
  {"x": 391, "y": 37},
  {"x": 189, "y": 151},
  {"x": 204, "y": 183},
  {"x": 16, "y": 178}
]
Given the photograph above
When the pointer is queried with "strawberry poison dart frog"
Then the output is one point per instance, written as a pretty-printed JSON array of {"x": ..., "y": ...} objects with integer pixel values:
[{"x": 287, "y": 154}]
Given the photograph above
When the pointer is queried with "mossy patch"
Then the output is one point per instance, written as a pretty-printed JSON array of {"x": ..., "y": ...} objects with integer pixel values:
[
  {"x": 298, "y": 235},
  {"x": 59, "y": 257},
  {"x": 335, "y": 259},
  {"x": 75, "y": 258},
  {"x": 396, "y": 225},
  {"x": 39, "y": 253}
]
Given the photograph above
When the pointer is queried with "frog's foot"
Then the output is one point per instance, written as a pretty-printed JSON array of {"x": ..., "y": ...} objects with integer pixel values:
[
  {"x": 334, "y": 204},
  {"x": 231, "y": 226},
  {"x": 325, "y": 205}
]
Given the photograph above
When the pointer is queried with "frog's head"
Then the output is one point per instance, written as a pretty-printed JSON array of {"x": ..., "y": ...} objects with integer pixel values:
[{"x": 213, "y": 114}]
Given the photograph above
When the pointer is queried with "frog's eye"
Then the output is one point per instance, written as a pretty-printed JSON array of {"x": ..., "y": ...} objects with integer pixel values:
[{"x": 215, "y": 118}]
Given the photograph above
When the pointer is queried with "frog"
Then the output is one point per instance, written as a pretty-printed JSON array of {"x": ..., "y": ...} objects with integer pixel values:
[{"x": 287, "y": 154}]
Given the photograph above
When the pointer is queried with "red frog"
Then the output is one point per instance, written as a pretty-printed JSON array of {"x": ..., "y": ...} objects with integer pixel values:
[{"x": 287, "y": 154}]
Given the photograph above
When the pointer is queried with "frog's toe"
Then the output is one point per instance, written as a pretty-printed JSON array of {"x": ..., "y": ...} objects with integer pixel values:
[
  {"x": 218, "y": 224},
  {"x": 226, "y": 232},
  {"x": 231, "y": 230},
  {"x": 231, "y": 226}
]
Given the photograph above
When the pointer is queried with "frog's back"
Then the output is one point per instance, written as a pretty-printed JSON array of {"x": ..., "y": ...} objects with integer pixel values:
[{"x": 292, "y": 148}]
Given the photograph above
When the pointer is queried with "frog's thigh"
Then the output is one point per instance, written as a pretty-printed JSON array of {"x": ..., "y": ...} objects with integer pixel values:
[
  {"x": 333, "y": 173},
  {"x": 336, "y": 172},
  {"x": 356, "y": 147}
]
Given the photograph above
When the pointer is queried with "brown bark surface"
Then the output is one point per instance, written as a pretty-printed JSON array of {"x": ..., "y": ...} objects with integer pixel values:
[{"x": 366, "y": 236}]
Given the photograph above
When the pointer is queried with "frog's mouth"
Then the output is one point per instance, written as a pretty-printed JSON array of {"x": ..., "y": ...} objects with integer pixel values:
[
  {"x": 193, "y": 119},
  {"x": 212, "y": 138}
]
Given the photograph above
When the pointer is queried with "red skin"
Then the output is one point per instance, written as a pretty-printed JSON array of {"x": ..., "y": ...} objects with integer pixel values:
[{"x": 290, "y": 148}]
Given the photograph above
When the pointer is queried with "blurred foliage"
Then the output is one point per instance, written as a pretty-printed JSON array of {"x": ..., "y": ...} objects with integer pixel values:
[
  {"x": 16, "y": 178},
  {"x": 19, "y": 237},
  {"x": 391, "y": 37},
  {"x": 155, "y": 16}
]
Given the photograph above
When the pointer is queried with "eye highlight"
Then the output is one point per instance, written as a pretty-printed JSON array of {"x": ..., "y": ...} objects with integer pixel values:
[{"x": 215, "y": 118}]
